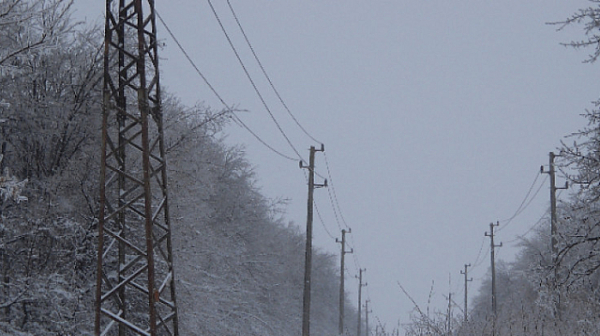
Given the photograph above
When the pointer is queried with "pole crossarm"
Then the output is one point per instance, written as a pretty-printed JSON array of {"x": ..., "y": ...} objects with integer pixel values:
[{"x": 135, "y": 286}]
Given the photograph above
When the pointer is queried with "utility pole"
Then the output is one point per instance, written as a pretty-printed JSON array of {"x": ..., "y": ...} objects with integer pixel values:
[
  {"x": 492, "y": 248},
  {"x": 342, "y": 273},
  {"x": 309, "y": 230},
  {"x": 367, "y": 311},
  {"x": 553, "y": 222},
  {"x": 553, "y": 225},
  {"x": 449, "y": 313},
  {"x": 465, "y": 273},
  {"x": 135, "y": 254},
  {"x": 360, "y": 286}
]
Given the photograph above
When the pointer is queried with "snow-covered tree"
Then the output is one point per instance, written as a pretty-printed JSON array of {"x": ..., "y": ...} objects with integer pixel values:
[
  {"x": 239, "y": 263},
  {"x": 538, "y": 296},
  {"x": 30, "y": 26},
  {"x": 11, "y": 188}
]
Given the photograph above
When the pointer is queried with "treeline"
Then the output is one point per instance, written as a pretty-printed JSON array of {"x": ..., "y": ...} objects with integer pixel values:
[
  {"x": 238, "y": 263},
  {"x": 544, "y": 292}
]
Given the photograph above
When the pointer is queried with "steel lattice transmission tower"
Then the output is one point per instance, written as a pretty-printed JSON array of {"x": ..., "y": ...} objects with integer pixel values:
[{"x": 135, "y": 285}]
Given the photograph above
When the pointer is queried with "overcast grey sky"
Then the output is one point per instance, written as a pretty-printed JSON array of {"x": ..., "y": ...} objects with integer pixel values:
[{"x": 435, "y": 115}]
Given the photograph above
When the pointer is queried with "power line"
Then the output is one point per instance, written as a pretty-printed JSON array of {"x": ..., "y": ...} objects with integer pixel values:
[
  {"x": 534, "y": 195},
  {"x": 191, "y": 61},
  {"x": 211, "y": 87},
  {"x": 252, "y": 81},
  {"x": 487, "y": 252},
  {"x": 524, "y": 204},
  {"x": 319, "y": 175},
  {"x": 335, "y": 214},
  {"x": 479, "y": 253},
  {"x": 335, "y": 198},
  {"x": 537, "y": 176},
  {"x": 332, "y": 195},
  {"x": 322, "y": 222},
  {"x": 317, "y": 209},
  {"x": 354, "y": 255},
  {"x": 267, "y": 76},
  {"x": 237, "y": 119},
  {"x": 522, "y": 236},
  {"x": 347, "y": 272},
  {"x": 479, "y": 261},
  {"x": 352, "y": 245}
]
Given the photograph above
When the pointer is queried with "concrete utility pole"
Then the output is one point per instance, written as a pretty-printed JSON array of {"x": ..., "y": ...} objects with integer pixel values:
[
  {"x": 135, "y": 254},
  {"x": 449, "y": 326},
  {"x": 367, "y": 312},
  {"x": 492, "y": 248},
  {"x": 342, "y": 273},
  {"x": 553, "y": 222},
  {"x": 493, "y": 264},
  {"x": 553, "y": 225},
  {"x": 360, "y": 286},
  {"x": 465, "y": 273},
  {"x": 309, "y": 230}
]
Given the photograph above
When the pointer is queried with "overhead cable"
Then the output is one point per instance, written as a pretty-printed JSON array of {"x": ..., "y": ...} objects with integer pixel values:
[
  {"x": 522, "y": 236},
  {"x": 211, "y": 87},
  {"x": 477, "y": 262},
  {"x": 322, "y": 222},
  {"x": 267, "y": 76},
  {"x": 252, "y": 81},
  {"x": 333, "y": 191},
  {"x": 525, "y": 203}
]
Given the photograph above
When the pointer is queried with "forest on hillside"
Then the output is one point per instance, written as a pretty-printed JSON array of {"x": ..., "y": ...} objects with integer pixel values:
[{"x": 239, "y": 263}]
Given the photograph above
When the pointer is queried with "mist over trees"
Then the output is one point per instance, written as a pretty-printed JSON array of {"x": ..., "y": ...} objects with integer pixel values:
[
  {"x": 238, "y": 261},
  {"x": 239, "y": 264}
]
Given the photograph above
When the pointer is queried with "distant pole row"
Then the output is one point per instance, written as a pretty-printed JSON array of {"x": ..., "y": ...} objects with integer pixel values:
[
  {"x": 342, "y": 241},
  {"x": 554, "y": 247},
  {"x": 308, "y": 257}
]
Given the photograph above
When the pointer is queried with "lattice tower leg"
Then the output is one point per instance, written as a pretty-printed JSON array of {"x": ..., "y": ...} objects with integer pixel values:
[{"x": 135, "y": 292}]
